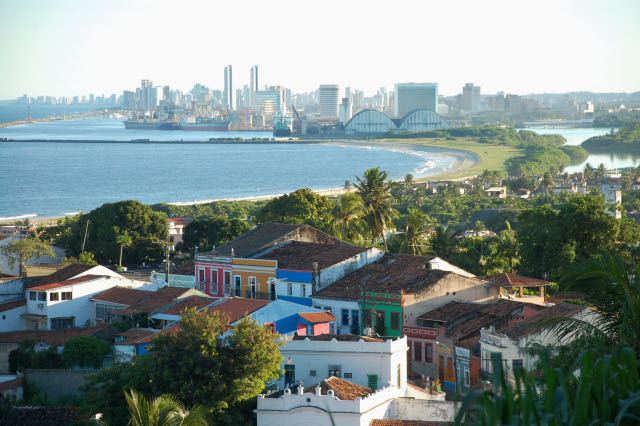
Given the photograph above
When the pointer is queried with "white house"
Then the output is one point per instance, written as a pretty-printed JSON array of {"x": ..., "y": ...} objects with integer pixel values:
[
  {"x": 511, "y": 343},
  {"x": 59, "y": 254}
]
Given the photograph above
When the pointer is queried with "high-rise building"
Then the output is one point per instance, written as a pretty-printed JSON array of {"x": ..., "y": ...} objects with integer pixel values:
[
  {"x": 345, "y": 111},
  {"x": 410, "y": 96},
  {"x": 329, "y": 98},
  {"x": 269, "y": 102},
  {"x": 471, "y": 97},
  {"x": 253, "y": 86},
  {"x": 227, "y": 98}
]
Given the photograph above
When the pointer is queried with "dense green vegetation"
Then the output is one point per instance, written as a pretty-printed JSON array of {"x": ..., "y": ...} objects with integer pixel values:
[
  {"x": 230, "y": 209},
  {"x": 207, "y": 233},
  {"x": 617, "y": 120},
  {"x": 198, "y": 366},
  {"x": 85, "y": 351},
  {"x": 301, "y": 206},
  {"x": 625, "y": 139},
  {"x": 538, "y": 160}
]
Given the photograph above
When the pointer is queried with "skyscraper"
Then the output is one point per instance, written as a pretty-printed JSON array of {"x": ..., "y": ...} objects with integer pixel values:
[
  {"x": 410, "y": 96},
  {"x": 227, "y": 94},
  {"x": 329, "y": 99},
  {"x": 253, "y": 86},
  {"x": 471, "y": 97}
]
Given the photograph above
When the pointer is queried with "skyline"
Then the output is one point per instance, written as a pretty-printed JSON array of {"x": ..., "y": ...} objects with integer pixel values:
[{"x": 71, "y": 48}]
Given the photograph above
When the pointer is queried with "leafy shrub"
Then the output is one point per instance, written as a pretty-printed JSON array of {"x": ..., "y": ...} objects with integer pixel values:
[{"x": 85, "y": 351}]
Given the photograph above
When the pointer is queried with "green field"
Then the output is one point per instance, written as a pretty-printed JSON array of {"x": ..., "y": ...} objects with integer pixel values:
[{"x": 491, "y": 157}]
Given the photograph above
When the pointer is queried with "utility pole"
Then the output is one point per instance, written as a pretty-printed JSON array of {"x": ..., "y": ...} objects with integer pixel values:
[
  {"x": 85, "y": 235},
  {"x": 168, "y": 256}
]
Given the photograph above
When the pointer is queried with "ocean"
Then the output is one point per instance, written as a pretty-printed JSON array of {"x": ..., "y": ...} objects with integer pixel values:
[{"x": 48, "y": 179}]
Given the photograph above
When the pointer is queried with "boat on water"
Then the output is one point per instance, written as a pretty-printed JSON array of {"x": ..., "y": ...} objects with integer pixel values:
[
  {"x": 282, "y": 125},
  {"x": 151, "y": 125},
  {"x": 205, "y": 124}
]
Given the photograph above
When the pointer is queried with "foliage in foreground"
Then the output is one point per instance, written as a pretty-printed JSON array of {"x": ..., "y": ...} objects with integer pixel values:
[
  {"x": 164, "y": 410},
  {"x": 198, "y": 365},
  {"x": 603, "y": 391},
  {"x": 85, "y": 351}
]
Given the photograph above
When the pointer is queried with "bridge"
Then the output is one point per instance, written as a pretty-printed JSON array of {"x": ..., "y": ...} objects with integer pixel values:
[{"x": 587, "y": 122}]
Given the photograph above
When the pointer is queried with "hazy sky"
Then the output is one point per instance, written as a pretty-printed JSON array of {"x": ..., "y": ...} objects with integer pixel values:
[{"x": 79, "y": 47}]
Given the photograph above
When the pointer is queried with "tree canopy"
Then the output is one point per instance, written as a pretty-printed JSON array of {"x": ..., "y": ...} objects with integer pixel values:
[
  {"x": 207, "y": 233},
  {"x": 23, "y": 250},
  {"x": 301, "y": 206}
]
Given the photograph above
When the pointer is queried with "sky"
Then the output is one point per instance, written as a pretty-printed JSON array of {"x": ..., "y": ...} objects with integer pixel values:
[{"x": 69, "y": 48}]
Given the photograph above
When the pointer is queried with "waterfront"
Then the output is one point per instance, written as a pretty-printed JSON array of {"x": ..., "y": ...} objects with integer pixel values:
[{"x": 51, "y": 179}]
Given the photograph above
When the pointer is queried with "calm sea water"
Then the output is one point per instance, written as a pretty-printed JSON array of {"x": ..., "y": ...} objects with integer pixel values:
[
  {"x": 50, "y": 179},
  {"x": 12, "y": 111}
]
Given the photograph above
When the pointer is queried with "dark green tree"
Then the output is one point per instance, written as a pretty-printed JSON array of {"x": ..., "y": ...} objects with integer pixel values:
[
  {"x": 301, "y": 206},
  {"x": 212, "y": 232},
  {"x": 375, "y": 190},
  {"x": 85, "y": 351},
  {"x": 147, "y": 229}
]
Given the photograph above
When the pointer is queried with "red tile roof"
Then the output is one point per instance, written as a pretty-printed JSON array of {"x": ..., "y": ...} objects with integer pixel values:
[
  {"x": 12, "y": 384},
  {"x": 122, "y": 295},
  {"x": 187, "y": 268},
  {"x": 317, "y": 317},
  {"x": 51, "y": 337},
  {"x": 184, "y": 221},
  {"x": 450, "y": 311},
  {"x": 7, "y": 306},
  {"x": 343, "y": 389},
  {"x": 338, "y": 337},
  {"x": 265, "y": 236},
  {"x": 136, "y": 336},
  {"x": 156, "y": 301},
  {"x": 191, "y": 302},
  {"x": 237, "y": 308},
  {"x": 528, "y": 325},
  {"x": 63, "y": 274},
  {"x": 389, "y": 422},
  {"x": 513, "y": 280},
  {"x": 391, "y": 274},
  {"x": 301, "y": 256},
  {"x": 66, "y": 283}
]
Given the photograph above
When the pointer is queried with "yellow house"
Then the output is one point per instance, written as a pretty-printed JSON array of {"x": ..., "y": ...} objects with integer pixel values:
[{"x": 254, "y": 278}]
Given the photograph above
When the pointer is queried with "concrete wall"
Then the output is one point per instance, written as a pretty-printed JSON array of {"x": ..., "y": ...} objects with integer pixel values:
[
  {"x": 11, "y": 320},
  {"x": 11, "y": 289},
  {"x": 340, "y": 270},
  {"x": 425, "y": 410},
  {"x": 5, "y": 350},
  {"x": 359, "y": 359},
  {"x": 57, "y": 383}
]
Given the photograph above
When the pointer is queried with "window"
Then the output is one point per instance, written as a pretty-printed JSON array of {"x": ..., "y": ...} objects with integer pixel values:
[
  {"x": 428, "y": 352},
  {"x": 253, "y": 287},
  {"x": 67, "y": 295},
  {"x": 395, "y": 320},
  {"x": 517, "y": 363},
  {"x": 372, "y": 381},
  {"x": 53, "y": 297},
  {"x": 355, "y": 322},
  {"x": 399, "y": 375},
  {"x": 214, "y": 281},
  {"x": 348, "y": 375},
  {"x": 227, "y": 282},
  {"x": 345, "y": 317},
  {"x": 467, "y": 377},
  {"x": 33, "y": 295},
  {"x": 289, "y": 374},
  {"x": 58, "y": 323},
  {"x": 103, "y": 310},
  {"x": 238, "y": 286},
  {"x": 312, "y": 373},
  {"x": 42, "y": 296},
  {"x": 289, "y": 289},
  {"x": 366, "y": 318},
  {"x": 417, "y": 351},
  {"x": 335, "y": 370},
  {"x": 35, "y": 324},
  {"x": 304, "y": 290}
]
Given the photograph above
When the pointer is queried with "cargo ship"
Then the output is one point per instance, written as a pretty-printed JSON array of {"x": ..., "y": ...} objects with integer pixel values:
[
  {"x": 205, "y": 124},
  {"x": 151, "y": 125},
  {"x": 282, "y": 126}
]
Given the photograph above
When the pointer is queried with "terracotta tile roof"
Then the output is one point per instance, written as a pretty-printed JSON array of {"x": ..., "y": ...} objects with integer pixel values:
[
  {"x": 450, "y": 311},
  {"x": 560, "y": 297},
  {"x": 513, "y": 280},
  {"x": 300, "y": 256},
  {"x": 343, "y": 389},
  {"x": 197, "y": 302},
  {"x": 122, "y": 295},
  {"x": 393, "y": 273},
  {"x": 51, "y": 337},
  {"x": 418, "y": 388},
  {"x": 12, "y": 384},
  {"x": 50, "y": 416},
  {"x": 7, "y": 306},
  {"x": 156, "y": 301},
  {"x": 317, "y": 317},
  {"x": 136, "y": 336},
  {"x": 66, "y": 283},
  {"x": 63, "y": 274},
  {"x": 265, "y": 236},
  {"x": 187, "y": 268},
  {"x": 389, "y": 422},
  {"x": 238, "y": 307},
  {"x": 338, "y": 337},
  {"x": 184, "y": 221},
  {"x": 528, "y": 325}
]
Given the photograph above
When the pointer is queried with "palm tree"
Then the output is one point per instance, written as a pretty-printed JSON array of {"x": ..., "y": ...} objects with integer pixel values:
[
  {"x": 164, "y": 410},
  {"x": 444, "y": 242},
  {"x": 613, "y": 286},
  {"x": 408, "y": 184},
  {"x": 347, "y": 218},
  {"x": 347, "y": 185},
  {"x": 123, "y": 240},
  {"x": 588, "y": 171},
  {"x": 414, "y": 240},
  {"x": 600, "y": 171},
  {"x": 375, "y": 191},
  {"x": 547, "y": 181}
]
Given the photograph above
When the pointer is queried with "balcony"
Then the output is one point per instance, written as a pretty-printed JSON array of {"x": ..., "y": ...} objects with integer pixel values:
[
  {"x": 213, "y": 258},
  {"x": 260, "y": 295}
]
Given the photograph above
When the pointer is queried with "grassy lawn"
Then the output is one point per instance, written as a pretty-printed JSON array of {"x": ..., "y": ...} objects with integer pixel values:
[{"x": 491, "y": 157}]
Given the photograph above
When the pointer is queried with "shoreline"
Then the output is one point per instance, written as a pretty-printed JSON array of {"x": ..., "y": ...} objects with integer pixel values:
[
  {"x": 461, "y": 160},
  {"x": 73, "y": 116}
]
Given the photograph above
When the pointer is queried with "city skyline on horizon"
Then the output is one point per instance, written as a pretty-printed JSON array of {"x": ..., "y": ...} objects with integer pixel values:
[{"x": 575, "y": 46}]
